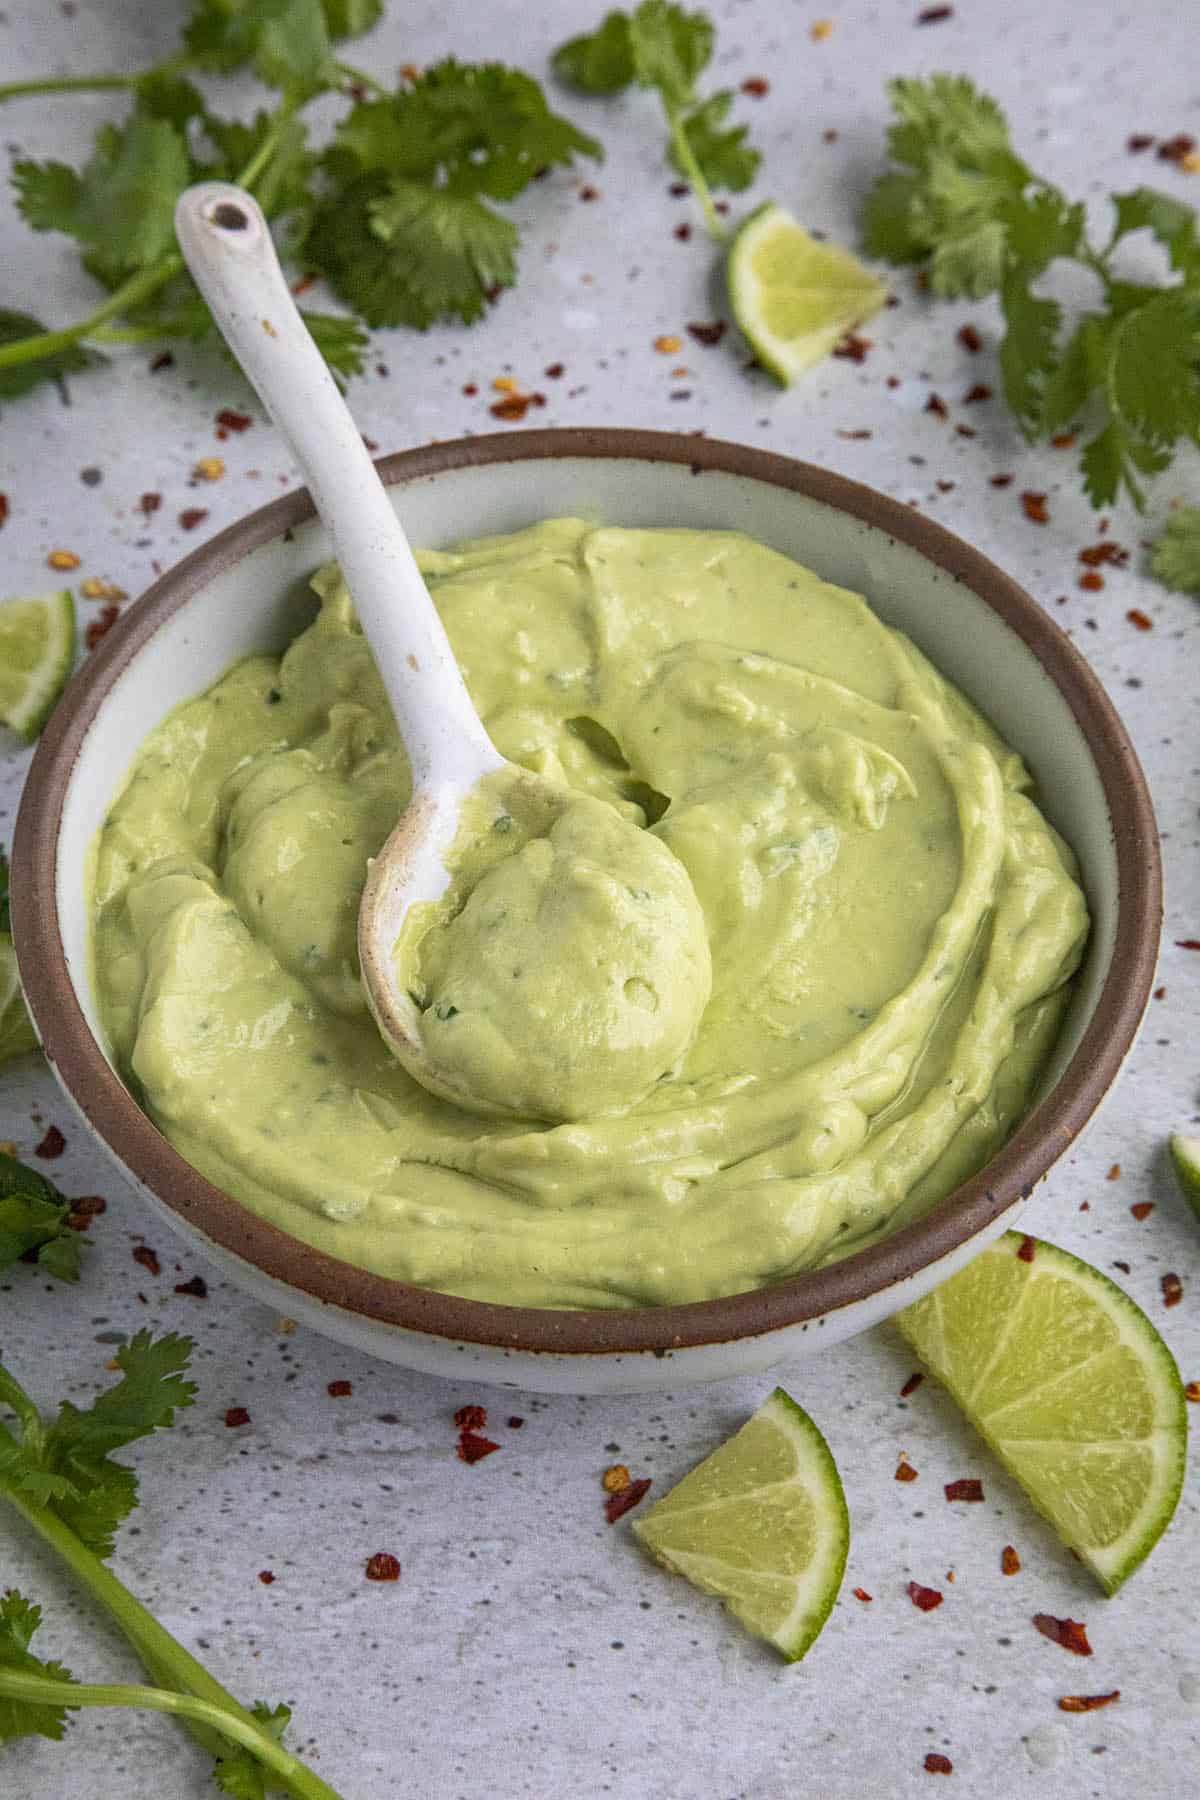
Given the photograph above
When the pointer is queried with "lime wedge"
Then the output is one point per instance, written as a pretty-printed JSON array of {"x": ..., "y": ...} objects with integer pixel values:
[
  {"x": 37, "y": 647},
  {"x": 1185, "y": 1154},
  {"x": 792, "y": 296},
  {"x": 16, "y": 1033},
  {"x": 1072, "y": 1387},
  {"x": 762, "y": 1523}
]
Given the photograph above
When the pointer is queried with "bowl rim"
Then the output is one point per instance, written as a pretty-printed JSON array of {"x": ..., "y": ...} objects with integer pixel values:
[{"x": 968, "y": 1210}]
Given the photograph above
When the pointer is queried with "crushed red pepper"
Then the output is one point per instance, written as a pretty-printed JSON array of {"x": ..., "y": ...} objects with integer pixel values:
[
  {"x": 1176, "y": 149},
  {"x": 1027, "y": 1248},
  {"x": 1192, "y": 1390},
  {"x": 553, "y": 371},
  {"x": 1114, "y": 1173},
  {"x": 1187, "y": 943},
  {"x": 756, "y": 86},
  {"x": 1001, "y": 480},
  {"x": 912, "y": 1384},
  {"x": 1106, "y": 551},
  {"x": 904, "y": 1470},
  {"x": 862, "y": 1594},
  {"x": 615, "y": 1479},
  {"x": 1034, "y": 507},
  {"x": 197, "y": 1287},
  {"x": 514, "y": 406},
  {"x": 924, "y": 1598},
  {"x": 683, "y": 231},
  {"x": 1063, "y": 440},
  {"x": 337, "y": 1390},
  {"x": 617, "y": 1505},
  {"x": 164, "y": 360},
  {"x": 1142, "y": 621},
  {"x": 970, "y": 339},
  {"x": 383, "y": 1566},
  {"x": 84, "y": 1209},
  {"x": 191, "y": 516},
  {"x": 101, "y": 625},
  {"x": 709, "y": 332},
  {"x": 1140, "y": 140},
  {"x": 52, "y": 1145},
  {"x": 934, "y": 15},
  {"x": 935, "y": 404},
  {"x": 1070, "y": 1633},
  {"x": 935, "y": 1762},
  {"x": 3, "y": 508},
  {"x": 1081, "y": 1703},
  {"x": 1091, "y": 580},
  {"x": 150, "y": 503},
  {"x": 980, "y": 391},
  {"x": 589, "y": 193},
  {"x": 227, "y": 420},
  {"x": 266, "y": 1576},
  {"x": 515, "y": 1422},
  {"x": 1010, "y": 1562},
  {"x": 148, "y": 1258},
  {"x": 472, "y": 1448},
  {"x": 236, "y": 1415},
  {"x": 853, "y": 347},
  {"x": 471, "y": 1418},
  {"x": 967, "y": 1487},
  {"x": 1142, "y": 1209},
  {"x": 1172, "y": 1289},
  {"x": 1123, "y": 1266}
]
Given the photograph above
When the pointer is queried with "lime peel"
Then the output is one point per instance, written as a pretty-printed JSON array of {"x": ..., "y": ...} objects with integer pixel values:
[
  {"x": 37, "y": 648},
  {"x": 794, "y": 297},
  {"x": 1185, "y": 1154}
]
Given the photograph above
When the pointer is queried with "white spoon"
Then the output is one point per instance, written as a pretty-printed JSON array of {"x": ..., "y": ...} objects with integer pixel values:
[{"x": 227, "y": 246}]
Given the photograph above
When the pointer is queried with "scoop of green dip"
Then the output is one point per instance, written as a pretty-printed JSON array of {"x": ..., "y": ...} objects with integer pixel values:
[
  {"x": 567, "y": 969},
  {"x": 891, "y": 924}
]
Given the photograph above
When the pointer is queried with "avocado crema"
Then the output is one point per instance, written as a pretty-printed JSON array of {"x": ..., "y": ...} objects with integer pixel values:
[{"x": 890, "y": 925}]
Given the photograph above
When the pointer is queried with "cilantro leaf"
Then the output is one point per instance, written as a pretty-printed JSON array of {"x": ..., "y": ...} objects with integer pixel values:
[
  {"x": 285, "y": 41},
  {"x": 1176, "y": 556},
  {"x": 1171, "y": 222},
  {"x": 1114, "y": 458},
  {"x": 726, "y": 160},
  {"x": 48, "y": 195},
  {"x": 1068, "y": 386},
  {"x": 284, "y": 185},
  {"x": 598, "y": 62},
  {"x": 340, "y": 339},
  {"x": 1154, "y": 367},
  {"x": 121, "y": 209},
  {"x": 670, "y": 48},
  {"x": 161, "y": 95},
  {"x": 240, "y": 1774},
  {"x": 948, "y": 113},
  {"x": 889, "y": 222},
  {"x": 454, "y": 248},
  {"x": 19, "y": 1619},
  {"x": 33, "y": 1222},
  {"x": 1029, "y": 351},
  {"x": 350, "y": 18}
]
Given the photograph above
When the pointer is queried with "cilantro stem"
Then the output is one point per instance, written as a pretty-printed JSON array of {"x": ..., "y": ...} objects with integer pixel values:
[
  {"x": 84, "y": 84},
  {"x": 360, "y": 78},
  {"x": 688, "y": 163},
  {"x": 289, "y": 1773},
  {"x": 13, "y": 1395}
]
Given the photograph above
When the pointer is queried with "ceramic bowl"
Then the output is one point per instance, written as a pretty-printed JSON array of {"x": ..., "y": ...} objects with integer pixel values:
[{"x": 244, "y": 591}]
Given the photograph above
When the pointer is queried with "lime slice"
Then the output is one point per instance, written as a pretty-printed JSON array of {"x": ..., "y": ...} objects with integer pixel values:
[
  {"x": 1072, "y": 1387},
  {"x": 16, "y": 1033},
  {"x": 762, "y": 1523},
  {"x": 37, "y": 647},
  {"x": 792, "y": 296},
  {"x": 1185, "y": 1154}
]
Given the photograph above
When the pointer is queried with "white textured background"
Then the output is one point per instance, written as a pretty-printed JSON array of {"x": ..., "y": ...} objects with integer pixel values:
[{"x": 529, "y": 1649}]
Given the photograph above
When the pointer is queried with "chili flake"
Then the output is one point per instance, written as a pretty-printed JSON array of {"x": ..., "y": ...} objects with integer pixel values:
[
  {"x": 266, "y": 1576},
  {"x": 209, "y": 468},
  {"x": 904, "y": 1470},
  {"x": 968, "y": 1487},
  {"x": 515, "y": 1422},
  {"x": 1070, "y": 1633},
  {"x": 912, "y": 1384},
  {"x": 756, "y": 86},
  {"x": 1063, "y": 440},
  {"x": 1187, "y": 943},
  {"x": 615, "y": 1479},
  {"x": 148, "y": 1258},
  {"x": 472, "y": 1448},
  {"x": 337, "y": 1390},
  {"x": 1176, "y": 149},
  {"x": 935, "y": 1762},
  {"x": 553, "y": 371},
  {"x": 150, "y": 503},
  {"x": 935, "y": 404},
  {"x": 236, "y": 1415},
  {"x": 1142, "y": 1209},
  {"x": 1114, "y": 1173},
  {"x": 709, "y": 334},
  {"x": 89, "y": 1206},
  {"x": 820, "y": 29},
  {"x": 1106, "y": 551},
  {"x": 1026, "y": 1248},
  {"x": 1092, "y": 580},
  {"x": 513, "y": 406},
  {"x": 970, "y": 339},
  {"x": 1010, "y": 1562},
  {"x": 96, "y": 589},
  {"x": 1141, "y": 140},
  {"x": 383, "y": 1566},
  {"x": 3, "y": 508},
  {"x": 1001, "y": 480},
  {"x": 934, "y": 15},
  {"x": 52, "y": 1145},
  {"x": 191, "y": 516},
  {"x": 101, "y": 625},
  {"x": 63, "y": 559},
  {"x": 862, "y": 1594},
  {"x": 228, "y": 420},
  {"x": 471, "y": 1418},
  {"x": 924, "y": 1598},
  {"x": 617, "y": 1505},
  {"x": 1080, "y": 1703},
  {"x": 197, "y": 1287},
  {"x": 853, "y": 347},
  {"x": 1192, "y": 1390},
  {"x": 164, "y": 360},
  {"x": 668, "y": 344},
  {"x": 1034, "y": 507},
  {"x": 1138, "y": 618},
  {"x": 589, "y": 193},
  {"x": 980, "y": 391},
  {"x": 1172, "y": 1289}
]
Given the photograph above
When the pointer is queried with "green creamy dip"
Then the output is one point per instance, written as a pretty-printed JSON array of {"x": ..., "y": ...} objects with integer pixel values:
[{"x": 890, "y": 922}]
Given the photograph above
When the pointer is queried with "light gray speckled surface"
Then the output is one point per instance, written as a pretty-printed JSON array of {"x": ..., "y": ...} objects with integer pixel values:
[{"x": 529, "y": 1649}]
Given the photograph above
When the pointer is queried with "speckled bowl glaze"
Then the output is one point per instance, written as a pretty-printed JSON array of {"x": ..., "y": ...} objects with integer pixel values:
[{"x": 245, "y": 591}]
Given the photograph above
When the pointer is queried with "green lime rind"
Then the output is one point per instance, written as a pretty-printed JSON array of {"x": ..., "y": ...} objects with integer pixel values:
[
  {"x": 795, "y": 297},
  {"x": 1185, "y": 1155},
  {"x": 37, "y": 649},
  {"x": 762, "y": 1523},
  {"x": 1066, "y": 1379}
]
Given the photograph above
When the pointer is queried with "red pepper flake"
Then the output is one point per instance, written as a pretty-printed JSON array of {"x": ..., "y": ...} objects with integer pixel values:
[
  {"x": 1092, "y": 580},
  {"x": 945, "y": 487},
  {"x": 470, "y": 389},
  {"x": 1160, "y": 993},
  {"x": 515, "y": 1422},
  {"x": 970, "y": 339},
  {"x": 3, "y": 508},
  {"x": 935, "y": 1762},
  {"x": 101, "y": 625},
  {"x": 197, "y": 1287},
  {"x": 1187, "y": 943},
  {"x": 1034, "y": 507},
  {"x": 709, "y": 333},
  {"x": 1141, "y": 140},
  {"x": 829, "y": 135},
  {"x": 1070, "y": 1633},
  {"x": 236, "y": 1415},
  {"x": 1062, "y": 440},
  {"x": 148, "y": 1258},
  {"x": 683, "y": 231},
  {"x": 1106, "y": 551},
  {"x": 1010, "y": 1562},
  {"x": 964, "y": 431},
  {"x": 1114, "y": 1174},
  {"x": 855, "y": 436},
  {"x": 471, "y": 1418},
  {"x": 337, "y": 1390},
  {"x": 1001, "y": 480},
  {"x": 302, "y": 283},
  {"x": 554, "y": 371},
  {"x": 980, "y": 391},
  {"x": 853, "y": 347},
  {"x": 1142, "y": 1210},
  {"x": 934, "y": 15},
  {"x": 1172, "y": 1289},
  {"x": 912, "y": 1384},
  {"x": 1192, "y": 1391},
  {"x": 678, "y": 189},
  {"x": 1123, "y": 1266},
  {"x": 1079, "y": 1703},
  {"x": 1026, "y": 1248},
  {"x": 191, "y": 516},
  {"x": 383, "y": 1566},
  {"x": 266, "y": 1576},
  {"x": 512, "y": 406},
  {"x": 228, "y": 420},
  {"x": 862, "y": 1594},
  {"x": 904, "y": 1470},
  {"x": 935, "y": 404},
  {"x": 968, "y": 1487},
  {"x": 617, "y": 1505},
  {"x": 1142, "y": 621},
  {"x": 150, "y": 503},
  {"x": 1176, "y": 149},
  {"x": 756, "y": 86},
  {"x": 924, "y": 1598},
  {"x": 472, "y": 1448},
  {"x": 52, "y": 1145},
  {"x": 589, "y": 193},
  {"x": 164, "y": 360}
]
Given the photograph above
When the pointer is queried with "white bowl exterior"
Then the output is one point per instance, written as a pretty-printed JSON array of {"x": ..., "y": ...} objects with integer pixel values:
[{"x": 259, "y": 604}]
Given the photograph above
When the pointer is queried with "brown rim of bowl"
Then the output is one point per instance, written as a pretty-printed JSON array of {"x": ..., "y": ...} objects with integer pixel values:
[{"x": 1008, "y": 1178}]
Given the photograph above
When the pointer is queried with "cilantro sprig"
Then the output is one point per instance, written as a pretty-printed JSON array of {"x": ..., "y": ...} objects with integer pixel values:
[
  {"x": 965, "y": 206},
  {"x": 34, "y": 1223},
  {"x": 61, "y": 1476},
  {"x": 662, "y": 47}
]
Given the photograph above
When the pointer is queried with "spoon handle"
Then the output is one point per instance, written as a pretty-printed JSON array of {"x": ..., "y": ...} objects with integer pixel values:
[{"x": 227, "y": 246}]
